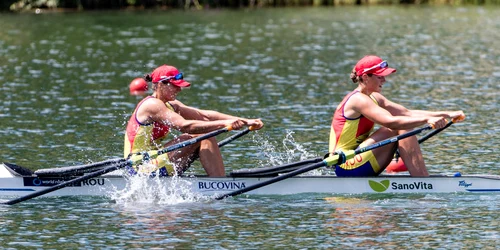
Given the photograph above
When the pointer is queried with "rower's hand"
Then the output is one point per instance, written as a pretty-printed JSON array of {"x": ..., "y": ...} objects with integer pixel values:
[
  {"x": 237, "y": 124},
  {"x": 254, "y": 124},
  {"x": 436, "y": 122},
  {"x": 457, "y": 116}
]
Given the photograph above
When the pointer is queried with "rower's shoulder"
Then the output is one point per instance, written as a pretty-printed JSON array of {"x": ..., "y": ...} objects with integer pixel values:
[
  {"x": 360, "y": 99},
  {"x": 176, "y": 103},
  {"x": 378, "y": 96},
  {"x": 152, "y": 104},
  {"x": 179, "y": 106},
  {"x": 151, "y": 101}
]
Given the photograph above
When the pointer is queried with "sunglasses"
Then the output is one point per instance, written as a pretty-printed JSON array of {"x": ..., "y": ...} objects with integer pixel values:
[
  {"x": 381, "y": 65},
  {"x": 166, "y": 79}
]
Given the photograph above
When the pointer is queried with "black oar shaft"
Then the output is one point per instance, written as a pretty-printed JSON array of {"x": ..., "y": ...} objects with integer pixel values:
[
  {"x": 67, "y": 183},
  {"x": 234, "y": 137},
  {"x": 427, "y": 136},
  {"x": 431, "y": 134},
  {"x": 288, "y": 167},
  {"x": 326, "y": 162},
  {"x": 391, "y": 140},
  {"x": 79, "y": 169},
  {"x": 434, "y": 132},
  {"x": 88, "y": 168},
  {"x": 193, "y": 141},
  {"x": 273, "y": 180},
  {"x": 133, "y": 160}
]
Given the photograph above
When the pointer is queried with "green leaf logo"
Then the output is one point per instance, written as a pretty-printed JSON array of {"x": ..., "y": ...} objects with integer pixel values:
[{"x": 379, "y": 186}]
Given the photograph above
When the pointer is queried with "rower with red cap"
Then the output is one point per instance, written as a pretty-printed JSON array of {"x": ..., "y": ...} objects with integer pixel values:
[
  {"x": 155, "y": 115},
  {"x": 354, "y": 119}
]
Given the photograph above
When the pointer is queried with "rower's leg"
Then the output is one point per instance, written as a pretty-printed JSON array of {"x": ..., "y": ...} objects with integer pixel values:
[
  {"x": 410, "y": 151},
  {"x": 211, "y": 159},
  {"x": 208, "y": 150},
  {"x": 383, "y": 154},
  {"x": 183, "y": 157}
]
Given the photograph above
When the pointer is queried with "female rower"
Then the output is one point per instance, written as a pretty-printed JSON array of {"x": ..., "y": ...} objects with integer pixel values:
[
  {"x": 355, "y": 116},
  {"x": 155, "y": 115}
]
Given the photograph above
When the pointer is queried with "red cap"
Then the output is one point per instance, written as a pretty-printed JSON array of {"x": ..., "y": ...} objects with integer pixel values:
[
  {"x": 166, "y": 72},
  {"x": 138, "y": 86},
  {"x": 373, "y": 65}
]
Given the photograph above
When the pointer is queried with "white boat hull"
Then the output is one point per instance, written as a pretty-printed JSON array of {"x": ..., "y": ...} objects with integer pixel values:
[{"x": 15, "y": 185}]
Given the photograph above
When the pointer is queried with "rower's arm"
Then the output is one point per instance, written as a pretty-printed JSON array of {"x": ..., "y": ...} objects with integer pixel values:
[
  {"x": 380, "y": 115},
  {"x": 154, "y": 110},
  {"x": 392, "y": 107},
  {"x": 200, "y": 114},
  {"x": 398, "y": 109},
  {"x": 192, "y": 113}
]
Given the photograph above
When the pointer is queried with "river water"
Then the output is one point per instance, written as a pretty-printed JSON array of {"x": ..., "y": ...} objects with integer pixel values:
[{"x": 65, "y": 101}]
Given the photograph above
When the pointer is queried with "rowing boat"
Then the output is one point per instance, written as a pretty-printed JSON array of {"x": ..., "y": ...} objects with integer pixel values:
[{"x": 19, "y": 181}]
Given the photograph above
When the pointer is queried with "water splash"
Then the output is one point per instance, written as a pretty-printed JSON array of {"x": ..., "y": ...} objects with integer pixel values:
[
  {"x": 142, "y": 188},
  {"x": 289, "y": 151}
]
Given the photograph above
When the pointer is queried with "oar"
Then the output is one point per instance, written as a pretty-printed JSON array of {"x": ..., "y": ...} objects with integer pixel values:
[
  {"x": 235, "y": 136},
  {"x": 339, "y": 158},
  {"x": 273, "y": 170},
  {"x": 134, "y": 159},
  {"x": 95, "y": 166},
  {"x": 79, "y": 169},
  {"x": 232, "y": 138},
  {"x": 67, "y": 183},
  {"x": 436, "y": 131}
]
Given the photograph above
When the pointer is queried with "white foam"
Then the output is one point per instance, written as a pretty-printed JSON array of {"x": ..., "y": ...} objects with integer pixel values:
[
  {"x": 290, "y": 151},
  {"x": 143, "y": 188}
]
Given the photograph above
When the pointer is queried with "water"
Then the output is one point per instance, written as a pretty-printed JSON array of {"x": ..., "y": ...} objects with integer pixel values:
[{"x": 64, "y": 101}]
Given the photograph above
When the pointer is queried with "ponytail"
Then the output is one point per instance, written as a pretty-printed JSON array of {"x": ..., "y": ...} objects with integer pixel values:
[
  {"x": 354, "y": 77},
  {"x": 147, "y": 78}
]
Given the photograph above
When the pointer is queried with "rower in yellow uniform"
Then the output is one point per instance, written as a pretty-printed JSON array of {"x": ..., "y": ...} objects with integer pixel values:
[
  {"x": 354, "y": 119},
  {"x": 156, "y": 115}
]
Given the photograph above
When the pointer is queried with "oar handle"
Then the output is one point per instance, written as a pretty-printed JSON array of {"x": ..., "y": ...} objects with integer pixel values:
[
  {"x": 458, "y": 118},
  {"x": 434, "y": 132}
]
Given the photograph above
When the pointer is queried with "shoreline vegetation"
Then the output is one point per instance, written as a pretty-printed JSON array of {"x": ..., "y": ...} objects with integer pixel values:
[{"x": 39, "y": 6}]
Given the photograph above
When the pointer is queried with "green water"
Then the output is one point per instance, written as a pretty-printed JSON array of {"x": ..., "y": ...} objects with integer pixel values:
[{"x": 64, "y": 101}]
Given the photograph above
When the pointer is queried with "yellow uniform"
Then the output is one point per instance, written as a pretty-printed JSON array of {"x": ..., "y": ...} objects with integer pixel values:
[
  {"x": 141, "y": 137},
  {"x": 348, "y": 134}
]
